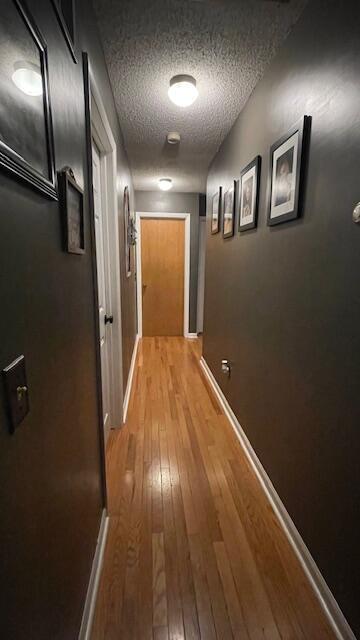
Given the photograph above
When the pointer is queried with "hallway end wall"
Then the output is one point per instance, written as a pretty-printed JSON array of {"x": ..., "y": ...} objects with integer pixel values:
[
  {"x": 283, "y": 304},
  {"x": 157, "y": 201}
]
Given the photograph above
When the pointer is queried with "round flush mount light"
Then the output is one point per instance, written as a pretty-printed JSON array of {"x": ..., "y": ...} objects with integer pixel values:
[
  {"x": 173, "y": 137},
  {"x": 182, "y": 90},
  {"x": 27, "y": 78},
  {"x": 165, "y": 184}
]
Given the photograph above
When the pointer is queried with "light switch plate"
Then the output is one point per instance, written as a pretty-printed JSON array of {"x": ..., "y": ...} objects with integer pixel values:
[{"x": 16, "y": 392}]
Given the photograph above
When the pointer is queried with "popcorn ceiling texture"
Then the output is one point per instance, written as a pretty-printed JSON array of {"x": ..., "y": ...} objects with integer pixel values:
[{"x": 225, "y": 45}]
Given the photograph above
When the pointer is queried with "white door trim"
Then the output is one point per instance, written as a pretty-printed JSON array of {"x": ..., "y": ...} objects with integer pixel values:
[
  {"x": 172, "y": 216},
  {"x": 103, "y": 135}
]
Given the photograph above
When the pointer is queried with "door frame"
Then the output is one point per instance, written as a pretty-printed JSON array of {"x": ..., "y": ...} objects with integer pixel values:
[
  {"x": 169, "y": 216},
  {"x": 104, "y": 138}
]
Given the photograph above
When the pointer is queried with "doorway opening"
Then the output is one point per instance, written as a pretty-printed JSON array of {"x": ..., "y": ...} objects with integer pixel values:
[
  {"x": 107, "y": 261},
  {"x": 163, "y": 273}
]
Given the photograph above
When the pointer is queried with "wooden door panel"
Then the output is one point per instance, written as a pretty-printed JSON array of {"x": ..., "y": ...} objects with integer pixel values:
[{"x": 162, "y": 257}]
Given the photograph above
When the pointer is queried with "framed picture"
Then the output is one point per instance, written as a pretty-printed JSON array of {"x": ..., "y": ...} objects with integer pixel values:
[
  {"x": 65, "y": 13},
  {"x": 287, "y": 159},
  {"x": 26, "y": 136},
  {"x": 72, "y": 209},
  {"x": 229, "y": 212},
  {"x": 216, "y": 211},
  {"x": 127, "y": 232},
  {"x": 249, "y": 195}
]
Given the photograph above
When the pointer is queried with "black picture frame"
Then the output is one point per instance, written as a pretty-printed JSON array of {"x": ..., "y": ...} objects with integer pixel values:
[
  {"x": 229, "y": 209},
  {"x": 216, "y": 205},
  {"x": 285, "y": 186},
  {"x": 65, "y": 13},
  {"x": 249, "y": 178},
  {"x": 71, "y": 197},
  {"x": 10, "y": 159}
]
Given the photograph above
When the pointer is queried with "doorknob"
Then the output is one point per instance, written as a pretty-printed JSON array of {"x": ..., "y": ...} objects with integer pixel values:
[
  {"x": 109, "y": 319},
  {"x": 144, "y": 287}
]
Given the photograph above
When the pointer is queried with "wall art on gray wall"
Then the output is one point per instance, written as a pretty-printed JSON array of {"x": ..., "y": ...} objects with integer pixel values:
[
  {"x": 287, "y": 163},
  {"x": 249, "y": 194},
  {"x": 26, "y": 138},
  {"x": 216, "y": 211},
  {"x": 65, "y": 13},
  {"x": 72, "y": 210},
  {"x": 229, "y": 211}
]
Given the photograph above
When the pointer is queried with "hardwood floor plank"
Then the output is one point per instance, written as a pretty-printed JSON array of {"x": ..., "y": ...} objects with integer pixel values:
[
  {"x": 159, "y": 581},
  {"x": 194, "y": 549},
  {"x": 233, "y": 604}
]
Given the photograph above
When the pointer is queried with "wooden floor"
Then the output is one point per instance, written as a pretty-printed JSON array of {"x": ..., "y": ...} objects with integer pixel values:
[{"x": 194, "y": 550}]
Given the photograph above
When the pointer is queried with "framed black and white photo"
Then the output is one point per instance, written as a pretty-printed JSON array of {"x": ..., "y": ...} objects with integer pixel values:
[
  {"x": 249, "y": 195},
  {"x": 229, "y": 212},
  {"x": 26, "y": 136},
  {"x": 65, "y": 13},
  {"x": 287, "y": 159},
  {"x": 71, "y": 198},
  {"x": 216, "y": 211}
]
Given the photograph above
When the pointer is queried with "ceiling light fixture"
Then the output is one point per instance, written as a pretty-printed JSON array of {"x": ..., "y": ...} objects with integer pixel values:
[
  {"x": 173, "y": 137},
  {"x": 182, "y": 90},
  {"x": 27, "y": 78},
  {"x": 165, "y": 184}
]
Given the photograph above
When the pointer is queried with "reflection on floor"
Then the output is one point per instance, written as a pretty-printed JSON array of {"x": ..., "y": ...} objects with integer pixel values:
[{"x": 194, "y": 549}]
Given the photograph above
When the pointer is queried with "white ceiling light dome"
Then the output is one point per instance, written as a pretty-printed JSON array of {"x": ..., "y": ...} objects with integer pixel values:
[
  {"x": 27, "y": 78},
  {"x": 165, "y": 184},
  {"x": 182, "y": 90},
  {"x": 173, "y": 137}
]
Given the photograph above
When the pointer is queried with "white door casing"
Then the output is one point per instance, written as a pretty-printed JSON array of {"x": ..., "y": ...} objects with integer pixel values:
[
  {"x": 103, "y": 277},
  {"x": 175, "y": 216},
  {"x": 105, "y": 143}
]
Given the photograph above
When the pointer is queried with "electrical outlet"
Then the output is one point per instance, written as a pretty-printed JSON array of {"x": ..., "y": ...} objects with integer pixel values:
[
  {"x": 226, "y": 367},
  {"x": 16, "y": 392}
]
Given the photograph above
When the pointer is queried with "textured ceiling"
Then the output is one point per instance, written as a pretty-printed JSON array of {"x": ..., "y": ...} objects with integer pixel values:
[{"x": 224, "y": 44}]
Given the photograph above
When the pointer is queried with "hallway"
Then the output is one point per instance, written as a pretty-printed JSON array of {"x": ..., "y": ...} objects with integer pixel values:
[{"x": 193, "y": 549}]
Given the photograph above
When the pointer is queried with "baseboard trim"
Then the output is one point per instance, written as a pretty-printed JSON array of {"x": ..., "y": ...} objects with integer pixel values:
[
  {"x": 130, "y": 378},
  {"x": 331, "y": 608},
  {"x": 90, "y": 601},
  {"x": 191, "y": 336}
]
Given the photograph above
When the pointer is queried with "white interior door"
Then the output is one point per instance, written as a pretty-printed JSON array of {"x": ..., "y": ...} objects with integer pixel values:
[{"x": 103, "y": 274}]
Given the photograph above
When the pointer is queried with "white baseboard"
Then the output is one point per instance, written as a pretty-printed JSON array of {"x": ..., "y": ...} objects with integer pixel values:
[
  {"x": 130, "y": 379},
  {"x": 90, "y": 601},
  {"x": 331, "y": 608},
  {"x": 191, "y": 336}
]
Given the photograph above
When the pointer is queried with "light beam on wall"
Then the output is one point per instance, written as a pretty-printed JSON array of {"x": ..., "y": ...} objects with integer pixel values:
[{"x": 27, "y": 78}]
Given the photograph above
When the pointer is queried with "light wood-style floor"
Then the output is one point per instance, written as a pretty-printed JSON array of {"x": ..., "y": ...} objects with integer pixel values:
[{"x": 194, "y": 550}]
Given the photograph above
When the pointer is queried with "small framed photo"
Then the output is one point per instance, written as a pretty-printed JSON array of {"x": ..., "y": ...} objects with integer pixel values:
[
  {"x": 287, "y": 159},
  {"x": 249, "y": 195},
  {"x": 216, "y": 211},
  {"x": 229, "y": 212},
  {"x": 71, "y": 198}
]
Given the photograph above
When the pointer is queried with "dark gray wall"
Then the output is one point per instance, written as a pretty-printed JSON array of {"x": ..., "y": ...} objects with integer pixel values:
[
  {"x": 50, "y": 481},
  {"x": 160, "y": 201},
  {"x": 283, "y": 304}
]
